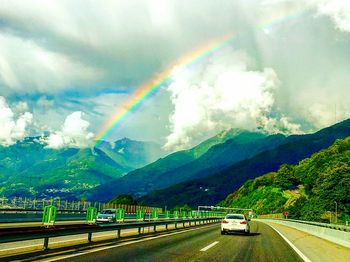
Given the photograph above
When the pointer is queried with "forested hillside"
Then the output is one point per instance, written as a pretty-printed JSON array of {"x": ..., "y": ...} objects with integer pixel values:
[{"x": 309, "y": 190}]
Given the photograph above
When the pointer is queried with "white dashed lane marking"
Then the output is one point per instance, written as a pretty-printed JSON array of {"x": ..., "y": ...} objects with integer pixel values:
[{"x": 209, "y": 246}]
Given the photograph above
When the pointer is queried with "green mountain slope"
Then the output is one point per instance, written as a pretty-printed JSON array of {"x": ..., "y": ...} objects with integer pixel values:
[
  {"x": 307, "y": 190},
  {"x": 235, "y": 146},
  {"x": 214, "y": 188},
  {"x": 28, "y": 168}
]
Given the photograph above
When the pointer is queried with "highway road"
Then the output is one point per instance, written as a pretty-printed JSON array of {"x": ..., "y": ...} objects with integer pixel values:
[{"x": 197, "y": 244}]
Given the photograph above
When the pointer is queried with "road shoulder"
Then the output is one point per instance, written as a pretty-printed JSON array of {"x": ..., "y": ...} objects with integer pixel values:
[{"x": 314, "y": 248}]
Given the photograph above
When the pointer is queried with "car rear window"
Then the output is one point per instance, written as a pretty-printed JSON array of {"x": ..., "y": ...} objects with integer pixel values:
[
  {"x": 107, "y": 212},
  {"x": 235, "y": 217}
]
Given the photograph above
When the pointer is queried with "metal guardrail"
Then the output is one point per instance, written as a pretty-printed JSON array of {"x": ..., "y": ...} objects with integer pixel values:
[
  {"x": 332, "y": 226},
  {"x": 29, "y": 210},
  {"x": 30, "y": 233}
]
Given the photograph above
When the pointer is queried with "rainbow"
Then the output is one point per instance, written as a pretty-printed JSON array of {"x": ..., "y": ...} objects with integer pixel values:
[
  {"x": 150, "y": 88},
  {"x": 153, "y": 86}
]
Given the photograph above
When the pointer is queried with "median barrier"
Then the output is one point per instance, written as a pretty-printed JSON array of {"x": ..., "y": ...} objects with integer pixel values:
[
  {"x": 334, "y": 233},
  {"x": 30, "y": 233}
]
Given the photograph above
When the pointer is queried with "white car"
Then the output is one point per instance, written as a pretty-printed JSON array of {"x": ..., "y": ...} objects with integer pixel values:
[
  {"x": 235, "y": 223},
  {"x": 106, "y": 216}
]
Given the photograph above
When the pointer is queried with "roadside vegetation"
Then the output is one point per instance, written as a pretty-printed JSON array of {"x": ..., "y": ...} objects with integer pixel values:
[
  {"x": 315, "y": 189},
  {"x": 123, "y": 199}
]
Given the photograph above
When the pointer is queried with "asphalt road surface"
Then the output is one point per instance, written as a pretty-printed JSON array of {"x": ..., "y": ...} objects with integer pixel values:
[{"x": 205, "y": 244}]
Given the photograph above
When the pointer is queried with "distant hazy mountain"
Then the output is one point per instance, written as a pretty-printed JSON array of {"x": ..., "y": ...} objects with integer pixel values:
[
  {"x": 133, "y": 154},
  {"x": 28, "y": 168},
  {"x": 214, "y": 188},
  {"x": 212, "y": 155}
]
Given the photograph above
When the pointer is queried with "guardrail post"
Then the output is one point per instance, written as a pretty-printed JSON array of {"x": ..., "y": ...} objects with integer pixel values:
[
  {"x": 166, "y": 226},
  {"x": 118, "y": 233},
  {"x": 155, "y": 228},
  {"x": 183, "y": 224},
  {"x": 90, "y": 237},
  {"x": 139, "y": 230},
  {"x": 175, "y": 225},
  {"x": 46, "y": 243}
]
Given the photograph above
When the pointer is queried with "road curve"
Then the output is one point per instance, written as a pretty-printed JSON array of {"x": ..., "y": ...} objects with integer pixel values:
[{"x": 205, "y": 244}]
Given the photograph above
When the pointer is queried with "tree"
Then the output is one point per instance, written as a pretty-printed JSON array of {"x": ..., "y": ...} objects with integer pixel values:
[{"x": 123, "y": 199}]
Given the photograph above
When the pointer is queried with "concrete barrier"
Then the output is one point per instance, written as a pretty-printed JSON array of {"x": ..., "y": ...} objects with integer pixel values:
[{"x": 333, "y": 235}]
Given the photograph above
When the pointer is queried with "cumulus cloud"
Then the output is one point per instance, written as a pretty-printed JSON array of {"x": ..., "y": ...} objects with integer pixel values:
[
  {"x": 25, "y": 66},
  {"x": 63, "y": 62},
  {"x": 74, "y": 133},
  {"x": 44, "y": 102},
  {"x": 328, "y": 107},
  {"x": 21, "y": 107},
  {"x": 12, "y": 127},
  {"x": 338, "y": 10},
  {"x": 223, "y": 94}
]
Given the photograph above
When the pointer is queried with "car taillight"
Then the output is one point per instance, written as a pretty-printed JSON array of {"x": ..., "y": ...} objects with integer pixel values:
[
  {"x": 224, "y": 222},
  {"x": 243, "y": 222}
]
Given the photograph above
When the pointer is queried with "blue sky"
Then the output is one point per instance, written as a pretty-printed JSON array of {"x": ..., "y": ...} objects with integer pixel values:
[{"x": 62, "y": 57}]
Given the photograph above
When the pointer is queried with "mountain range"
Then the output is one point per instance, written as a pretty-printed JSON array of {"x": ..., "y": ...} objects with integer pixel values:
[
  {"x": 209, "y": 190},
  {"x": 202, "y": 175},
  {"x": 29, "y": 168},
  {"x": 214, "y": 154}
]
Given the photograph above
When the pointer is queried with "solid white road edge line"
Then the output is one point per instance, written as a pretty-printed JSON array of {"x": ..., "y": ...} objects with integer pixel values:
[
  {"x": 303, "y": 257},
  {"x": 209, "y": 246},
  {"x": 126, "y": 244}
]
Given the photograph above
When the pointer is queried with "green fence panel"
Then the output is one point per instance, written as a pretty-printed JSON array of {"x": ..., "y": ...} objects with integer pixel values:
[
  {"x": 49, "y": 215},
  {"x": 120, "y": 214},
  {"x": 140, "y": 214},
  {"x": 91, "y": 214},
  {"x": 167, "y": 215},
  {"x": 183, "y": 214},
  {"x": 190, "y": 214},
  {"x": 155, "y": 214},
  {"x": 176, "y": 214},
  {"x": 194, "y": 214}
]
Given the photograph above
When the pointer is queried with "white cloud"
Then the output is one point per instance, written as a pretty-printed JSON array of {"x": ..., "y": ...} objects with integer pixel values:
[
  {"x": 12, "y": 128},
  {"x": 327, "y": 107},
  {"x": 338, "y": 10},
  {"x": 21, "y": 107},
  {"x": 44, "y": 102},
  {"x": 74, "y": 133},
  {"x": 221, "y": 95},
  {"x": 47, "y": 49},
  {"x": 26, "y": 66}
]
